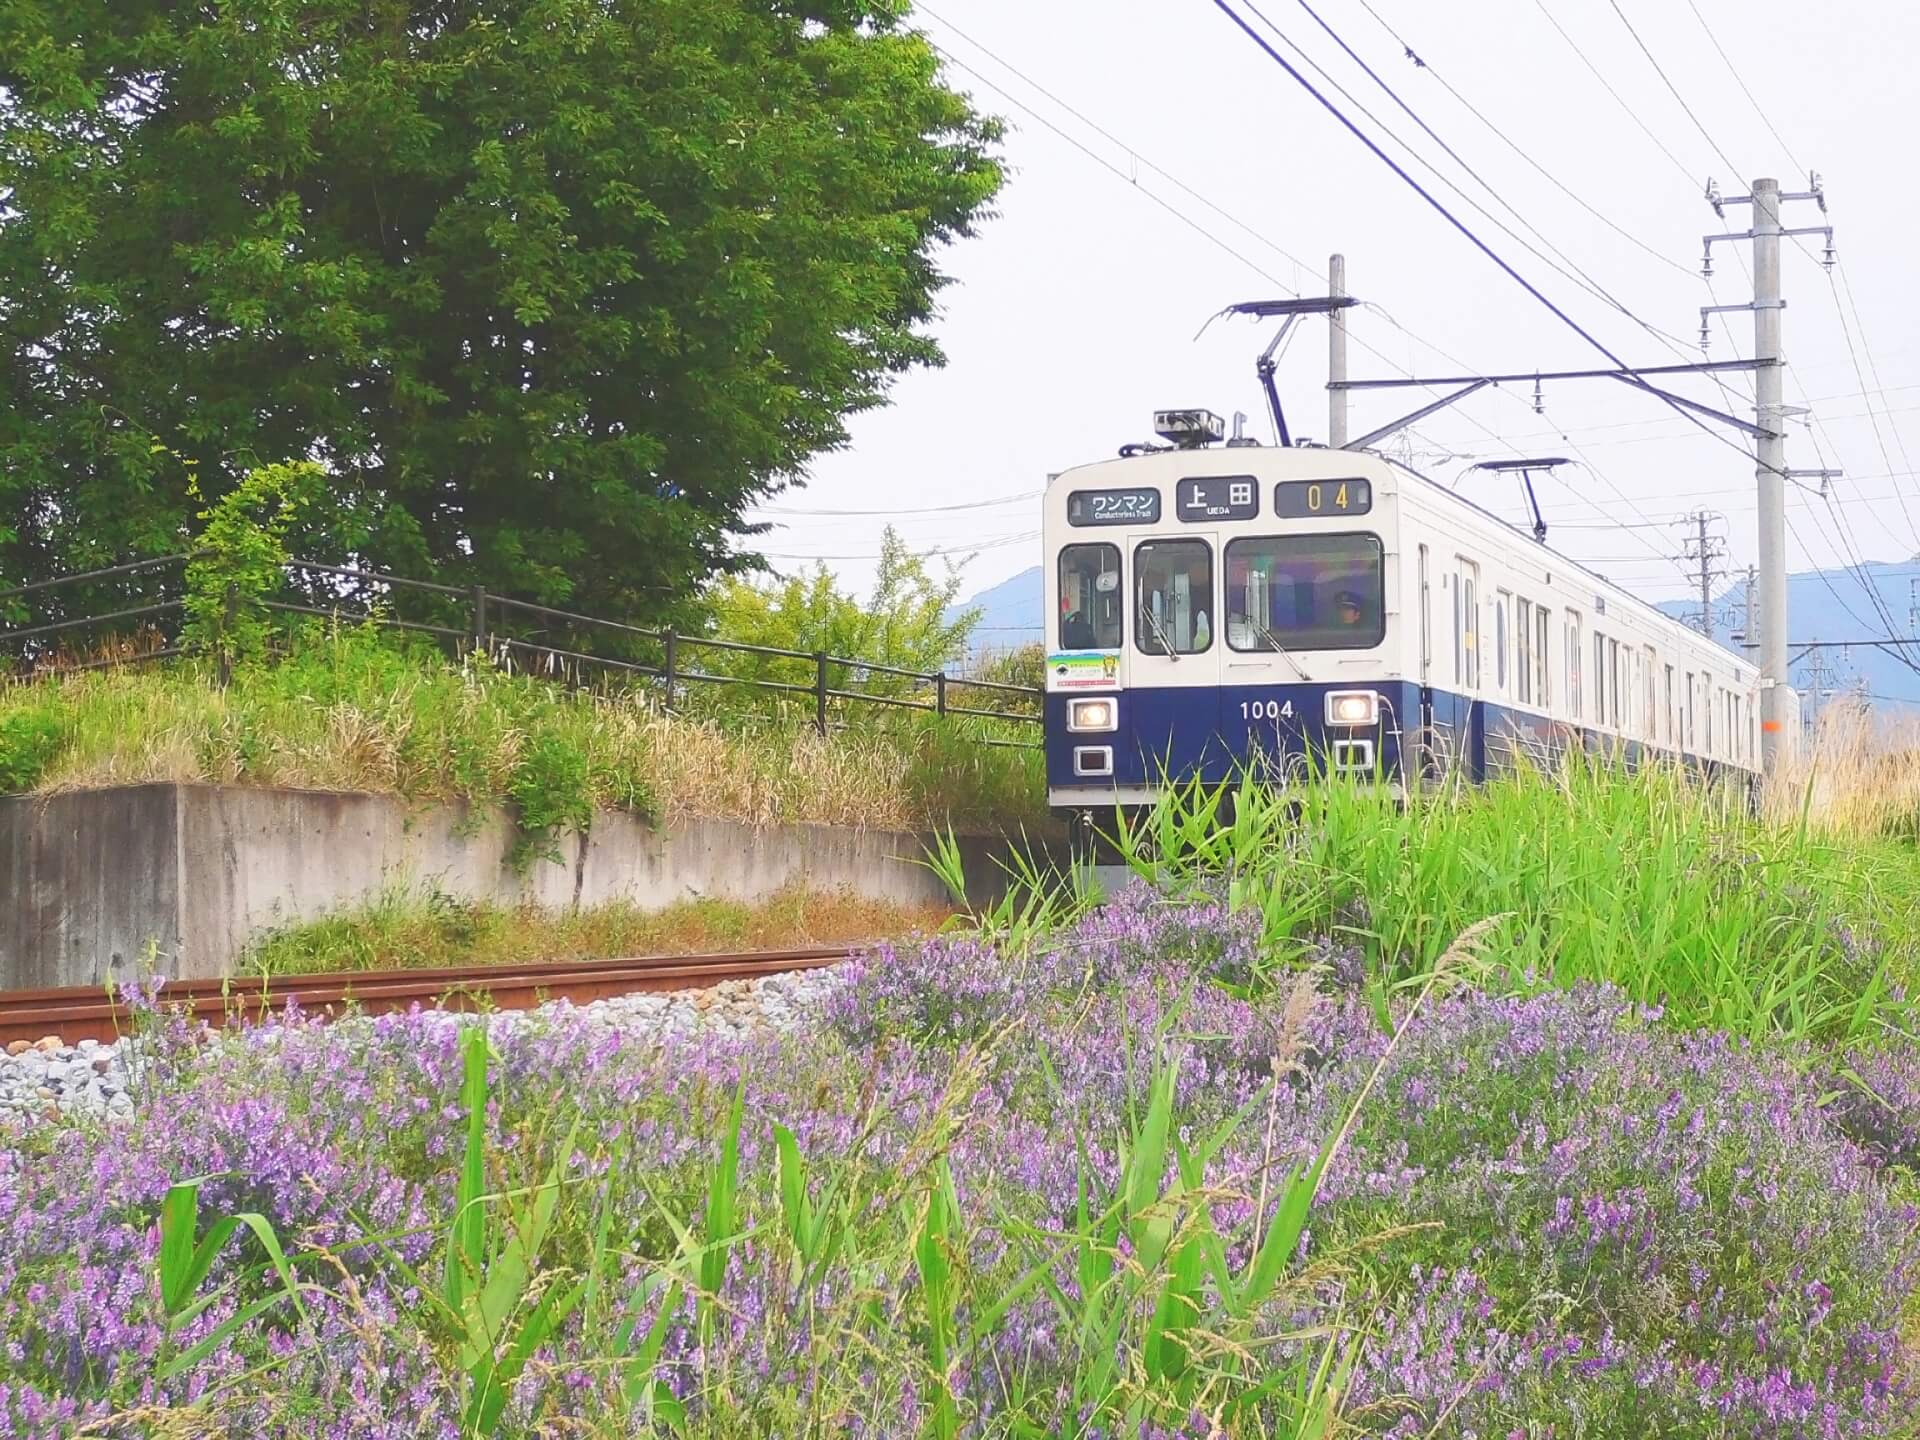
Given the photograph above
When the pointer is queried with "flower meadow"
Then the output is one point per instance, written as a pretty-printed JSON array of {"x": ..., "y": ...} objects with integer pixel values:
[{"x": 1109, "y": 1182}]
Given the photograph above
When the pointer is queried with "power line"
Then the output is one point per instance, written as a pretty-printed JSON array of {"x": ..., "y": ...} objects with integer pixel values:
[
  {"x": 1739, "y": 80},
  {"x": 1674, "y": 89},
  {"x": 1632, "y": 114},
  {"x": 1511, "y": 144},
  {"x": 910, "y": 509},
  {"x": 1579, "y": 273}
]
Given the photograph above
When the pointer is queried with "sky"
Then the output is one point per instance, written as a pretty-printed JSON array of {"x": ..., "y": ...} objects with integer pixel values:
[{"x": 1073, "y": 313}]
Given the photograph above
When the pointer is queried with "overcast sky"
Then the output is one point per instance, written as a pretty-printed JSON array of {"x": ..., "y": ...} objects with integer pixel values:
[{"x": 1073, "y": 313}]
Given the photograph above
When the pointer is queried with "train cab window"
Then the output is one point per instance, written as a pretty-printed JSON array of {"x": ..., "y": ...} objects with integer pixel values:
[
  {"x": 1173, "y": 597},
  {"x": 1092, "y": 601},
  {"x": 1305, "y": 592}
]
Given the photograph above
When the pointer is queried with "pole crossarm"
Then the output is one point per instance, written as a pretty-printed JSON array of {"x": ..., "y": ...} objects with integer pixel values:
[
  {"x": 1745, "y": 426},
  {"x": 1405, "y": 420},
  {"x": 1702, "y": 367}
]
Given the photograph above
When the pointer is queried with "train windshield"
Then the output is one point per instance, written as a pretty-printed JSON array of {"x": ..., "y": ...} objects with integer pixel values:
[
  {"x": 1305, "y": 592},
  {"x": 1173, "y": 581},
  {"x": 1091, "y": 600}
]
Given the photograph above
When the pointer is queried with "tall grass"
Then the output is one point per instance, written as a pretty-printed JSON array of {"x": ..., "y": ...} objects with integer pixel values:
[
  {"x": 1857, "y": 774},
  {"x": 347, "y": 708},
  {"x": 1671, "y": 891}
]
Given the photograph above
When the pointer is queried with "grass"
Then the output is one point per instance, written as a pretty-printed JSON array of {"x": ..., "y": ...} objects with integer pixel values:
[
  {"x": 1670, "y": 891},
  {"x": 412, "y": 928},
  {"x": 348, "y": 708}
]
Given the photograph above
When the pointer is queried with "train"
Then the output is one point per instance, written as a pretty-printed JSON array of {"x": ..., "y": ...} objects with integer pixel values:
[{"x": 1212, "y": 607}]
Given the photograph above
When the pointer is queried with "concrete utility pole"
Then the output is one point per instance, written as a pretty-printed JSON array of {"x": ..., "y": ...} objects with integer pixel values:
[
  {"x": 1770, "y": 471},
  {"x": 1703, "y": 550},
  {"x": 1337, "y": 353}
]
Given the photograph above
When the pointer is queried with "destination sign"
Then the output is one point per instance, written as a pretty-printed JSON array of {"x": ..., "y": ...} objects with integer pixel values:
[
  {"x": 1222, "y": 497},
  {"x": 1113, "y": 507},
  {"x": 1310, "y": 499}
]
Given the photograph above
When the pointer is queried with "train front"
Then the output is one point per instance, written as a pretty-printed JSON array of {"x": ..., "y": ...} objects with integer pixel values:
[{"x": 1211, "y": 609}]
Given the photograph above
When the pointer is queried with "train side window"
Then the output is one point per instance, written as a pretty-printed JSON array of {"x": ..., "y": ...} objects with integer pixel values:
[
  {"x": 1687, "y": 713},
  {"x": 1542, "y": 672},
  {"x": 1467, "y": 631},
  {"x": 1173, "y": 588},
  {"x": 1668, "y": 734},
  {"x": 1573, "y": 663},
  {"x": 1500, "y": 639},
  {"x": 1092, "y": 600},
  {"x": 1599, "y": 678},
  {"x": 1651, "y": 716},
  {"x": 1305, "y": 592},
  {"x": 1426, "y": 618},
  {"x": 1522, "y": 651},
  {"x": 1614, "y": 685}
]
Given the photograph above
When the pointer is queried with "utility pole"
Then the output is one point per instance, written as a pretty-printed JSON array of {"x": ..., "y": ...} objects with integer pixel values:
[
  {"x": 1770, "y": 471},
  {"x": 1337, "y": 353},
  {"x": 1703, "y": 550}
]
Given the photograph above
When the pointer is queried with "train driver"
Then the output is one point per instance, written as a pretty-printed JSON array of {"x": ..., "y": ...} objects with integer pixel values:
[{"x": 1346, "y": 610}]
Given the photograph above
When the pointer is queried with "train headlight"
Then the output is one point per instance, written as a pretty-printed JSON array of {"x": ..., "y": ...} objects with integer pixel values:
[
  {"x": 1087, "y": 716},
  {"x": 1353, "y": 707}
]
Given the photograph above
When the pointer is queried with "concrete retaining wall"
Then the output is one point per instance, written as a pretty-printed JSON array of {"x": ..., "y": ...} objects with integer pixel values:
[{"x": 90, "y": 881}]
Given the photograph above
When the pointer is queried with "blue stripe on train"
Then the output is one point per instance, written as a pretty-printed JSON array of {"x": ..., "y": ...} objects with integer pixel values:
[{"x": 1210, "y": 731}]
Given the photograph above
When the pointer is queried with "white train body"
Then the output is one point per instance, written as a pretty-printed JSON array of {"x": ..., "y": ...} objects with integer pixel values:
[{"x": 1210, "y": 607}]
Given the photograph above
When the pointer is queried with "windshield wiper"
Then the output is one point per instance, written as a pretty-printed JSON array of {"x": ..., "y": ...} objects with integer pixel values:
[
  {"x": 1153, "y": 623},
  {"x": 1279, "y": 649}
]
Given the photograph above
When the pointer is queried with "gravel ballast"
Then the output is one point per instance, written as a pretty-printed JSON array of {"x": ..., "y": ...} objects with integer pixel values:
[{"x": 51, "y": 1081}]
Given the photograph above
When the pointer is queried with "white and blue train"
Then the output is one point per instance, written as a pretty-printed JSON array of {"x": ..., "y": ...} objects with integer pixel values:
[{"x": 1211, "y": 608}]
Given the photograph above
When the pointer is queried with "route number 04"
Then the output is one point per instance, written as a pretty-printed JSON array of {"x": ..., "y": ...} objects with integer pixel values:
[{"x": 1266, "y": 709}]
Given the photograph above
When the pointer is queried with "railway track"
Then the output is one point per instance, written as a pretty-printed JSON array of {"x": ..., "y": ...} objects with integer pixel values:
[{"x": 86, "y": 1012}]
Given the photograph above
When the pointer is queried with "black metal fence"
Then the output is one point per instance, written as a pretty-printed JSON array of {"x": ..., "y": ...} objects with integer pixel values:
[{"x": 83, "y": 622}]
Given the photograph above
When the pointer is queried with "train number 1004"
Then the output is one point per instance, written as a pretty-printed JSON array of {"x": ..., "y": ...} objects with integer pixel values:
[{"x": 1266, "y": 709}]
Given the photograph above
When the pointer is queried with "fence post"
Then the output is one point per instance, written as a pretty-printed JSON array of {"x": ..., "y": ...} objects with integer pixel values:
[
  {"x": 940, "y": 695},
  {"x": 820, "y": 692},
  {"x": 671, "y": 639},
  {"x": 479, "y": 617}
]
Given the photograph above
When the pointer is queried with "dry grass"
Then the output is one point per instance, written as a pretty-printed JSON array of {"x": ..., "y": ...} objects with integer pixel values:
[
  {"x": 417, "y": 929},
  {"x": 1857, "y": 775},
  {"x": 345, "y": 711}
]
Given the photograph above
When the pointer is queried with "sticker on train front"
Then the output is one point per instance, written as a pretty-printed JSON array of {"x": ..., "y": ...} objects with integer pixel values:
[{"x": 1082, "y": 670}]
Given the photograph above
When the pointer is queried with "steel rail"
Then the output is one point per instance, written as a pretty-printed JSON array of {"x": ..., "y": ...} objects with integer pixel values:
[{"x": 88, "y": 1012}]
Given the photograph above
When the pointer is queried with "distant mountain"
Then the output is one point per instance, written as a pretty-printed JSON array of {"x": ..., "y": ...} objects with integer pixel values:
[
  {"x": 1829, "y": 605},
  {"x": 1837, "y": 605},
  {"x": 1010, "y": 612}
]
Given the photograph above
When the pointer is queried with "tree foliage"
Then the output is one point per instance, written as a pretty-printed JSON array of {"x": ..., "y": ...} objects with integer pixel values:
[
  {"x": 554, "y": 289},
  {"x": 908, "y": 621}
]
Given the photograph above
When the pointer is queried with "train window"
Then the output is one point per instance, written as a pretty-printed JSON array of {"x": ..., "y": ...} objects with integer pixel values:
[
  {"x": 1542, "y": 691},
  {"x": 1523, "y": 651},
  {"x": 1687, "y": 702},
  {"x": 1651, "y": 716},
  {"x": 1173, "y": 597},
  {"x": 1599, "y": 678},
  {"x": 1669, "y": 736},
  {"x": 1468, "y": 611},
  {"x": 1426, "y": 618},
  {"x": 1500, "y": 640},
  {"x": 1614, "y": 683},
  {"x": 1573, "y": 663},
  {"x": 1305, "y": 592},
  {"x": 1091, "y": 598}
]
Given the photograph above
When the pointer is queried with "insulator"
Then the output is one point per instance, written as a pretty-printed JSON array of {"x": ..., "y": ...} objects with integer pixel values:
[
  {"x": 1705, "y": 335},
  {"x": 1539, "y": 400},
  {"x": 1706, "y": 264}
]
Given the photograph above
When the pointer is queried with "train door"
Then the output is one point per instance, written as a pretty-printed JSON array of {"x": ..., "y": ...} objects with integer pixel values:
[{"x": 1174, "y": 671}]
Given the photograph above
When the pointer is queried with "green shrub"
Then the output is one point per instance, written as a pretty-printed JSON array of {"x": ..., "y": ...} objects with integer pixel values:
[{"x": 29, "y": 739}]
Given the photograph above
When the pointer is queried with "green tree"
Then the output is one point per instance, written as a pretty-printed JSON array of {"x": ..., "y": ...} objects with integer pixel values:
[
  {"x": 554, "y": 289},
  {"x": 908, "y": 621}
]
